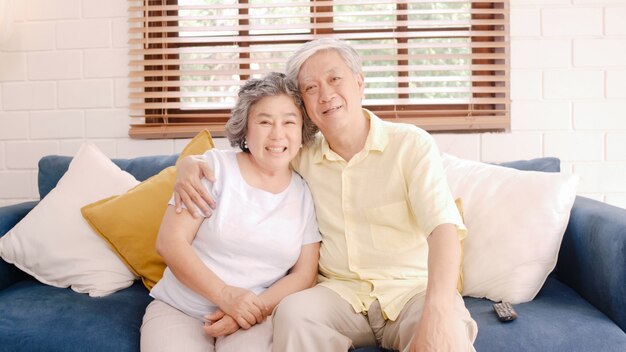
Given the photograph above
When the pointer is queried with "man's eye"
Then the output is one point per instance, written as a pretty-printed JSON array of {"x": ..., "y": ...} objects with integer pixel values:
[
  {"x": 336, "y": 78},
  {"x": 310, "y": 89}
]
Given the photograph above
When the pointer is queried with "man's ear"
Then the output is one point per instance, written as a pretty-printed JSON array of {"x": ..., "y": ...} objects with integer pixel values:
[{"x": 360, "y": 81}]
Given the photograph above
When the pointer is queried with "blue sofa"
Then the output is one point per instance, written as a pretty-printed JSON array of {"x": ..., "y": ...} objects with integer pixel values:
[{"x": 581, "y": 307}]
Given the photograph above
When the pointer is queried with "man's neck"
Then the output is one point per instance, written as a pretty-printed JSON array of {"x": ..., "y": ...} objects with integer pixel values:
[{"x": 348, "y": 143}]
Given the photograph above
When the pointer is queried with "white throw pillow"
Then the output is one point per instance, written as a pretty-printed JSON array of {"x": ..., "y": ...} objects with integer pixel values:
[
  {"x": 55, "y": 244},
  {"x": 515, "y": 221}
]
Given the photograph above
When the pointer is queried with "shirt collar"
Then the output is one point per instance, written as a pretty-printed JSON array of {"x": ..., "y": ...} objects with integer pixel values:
[{"x": 376, "y": 140}]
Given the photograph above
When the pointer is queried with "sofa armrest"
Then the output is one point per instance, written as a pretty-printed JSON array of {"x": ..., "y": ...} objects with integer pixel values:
[
  {"x": 9, "y": 216},
  {"x": 592, "y": 259}
]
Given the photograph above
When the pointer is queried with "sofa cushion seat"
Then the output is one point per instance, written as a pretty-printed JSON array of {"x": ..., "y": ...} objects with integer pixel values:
[
  {"x": 542, "y": 323},
  {"x": 38, "y": 317}
]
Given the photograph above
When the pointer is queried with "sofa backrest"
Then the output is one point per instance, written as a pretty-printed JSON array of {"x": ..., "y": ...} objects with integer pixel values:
[
  {"x": 52, "y": 168},
  {"x": 547, "y": 164}
]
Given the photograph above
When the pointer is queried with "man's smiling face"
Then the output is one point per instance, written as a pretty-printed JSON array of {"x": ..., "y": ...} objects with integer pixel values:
[{"x": 331, "y": 92}]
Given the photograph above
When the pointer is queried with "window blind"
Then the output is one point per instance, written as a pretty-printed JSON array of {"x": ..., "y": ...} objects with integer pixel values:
[{"x": 441, "y": 65}]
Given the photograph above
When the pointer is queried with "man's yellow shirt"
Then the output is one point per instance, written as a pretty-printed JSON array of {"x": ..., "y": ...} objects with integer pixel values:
[{"x": 376, "y": 211}]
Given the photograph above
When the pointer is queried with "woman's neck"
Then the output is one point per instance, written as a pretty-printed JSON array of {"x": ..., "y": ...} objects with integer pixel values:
[{"x": 257, "y": 176}]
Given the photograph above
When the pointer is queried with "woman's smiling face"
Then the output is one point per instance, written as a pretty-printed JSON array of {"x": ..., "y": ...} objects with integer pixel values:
[{"x": 274, "y": 131}]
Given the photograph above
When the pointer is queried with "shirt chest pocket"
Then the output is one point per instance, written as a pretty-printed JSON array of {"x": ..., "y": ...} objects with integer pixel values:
[{"x": 392, "y": 227}]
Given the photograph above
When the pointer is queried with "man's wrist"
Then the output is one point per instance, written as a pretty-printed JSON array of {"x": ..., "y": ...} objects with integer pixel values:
[{"x": 439, "y": 302}]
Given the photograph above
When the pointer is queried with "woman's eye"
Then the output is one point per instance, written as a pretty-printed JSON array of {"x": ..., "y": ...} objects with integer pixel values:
[{"x": 336, "y": 78}]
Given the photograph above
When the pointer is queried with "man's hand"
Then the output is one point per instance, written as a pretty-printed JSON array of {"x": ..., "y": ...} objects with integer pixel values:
[
  {"x": 439, "y": 329},
  {"x": 219, "y": 324},
  {"x": 243, "y": 305},
  {"x": 436, "y": 331},
  {"x": 189, "y": 189}
]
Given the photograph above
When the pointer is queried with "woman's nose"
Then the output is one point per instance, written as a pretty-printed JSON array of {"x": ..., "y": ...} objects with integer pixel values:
[{"x": 277, "y": 131}]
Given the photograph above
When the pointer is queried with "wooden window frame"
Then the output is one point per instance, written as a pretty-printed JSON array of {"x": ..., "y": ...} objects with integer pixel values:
[{"x": 166, "y": 122}]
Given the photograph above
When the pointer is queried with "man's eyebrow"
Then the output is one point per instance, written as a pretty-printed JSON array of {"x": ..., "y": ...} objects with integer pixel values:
[{"x": 328, "y": 71}]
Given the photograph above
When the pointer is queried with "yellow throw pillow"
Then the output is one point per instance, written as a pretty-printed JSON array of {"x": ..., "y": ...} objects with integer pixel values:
[
  {"x": 459, "y": 285},
  {"x": 130, "y": 222}
]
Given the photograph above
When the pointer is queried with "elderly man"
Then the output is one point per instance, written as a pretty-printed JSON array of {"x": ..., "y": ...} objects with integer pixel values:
[{"x": 390, "y": 254}]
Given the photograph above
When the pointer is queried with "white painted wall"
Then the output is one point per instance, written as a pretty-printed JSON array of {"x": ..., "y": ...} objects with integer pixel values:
[{"x": 63, "y": 81}]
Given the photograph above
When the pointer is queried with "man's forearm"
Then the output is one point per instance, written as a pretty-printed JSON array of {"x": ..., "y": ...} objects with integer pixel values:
[{"x": 444, "y": 259}]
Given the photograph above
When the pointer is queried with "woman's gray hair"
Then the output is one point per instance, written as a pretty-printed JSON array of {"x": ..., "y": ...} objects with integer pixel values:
[
  {"x": 252, "y": 92},
  {"x": 347, "y": 53}
]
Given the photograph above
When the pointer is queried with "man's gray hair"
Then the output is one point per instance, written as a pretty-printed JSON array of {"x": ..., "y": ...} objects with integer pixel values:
[
  {"x": 252, "y": 92},
  {"x": 347, "y": 53}
]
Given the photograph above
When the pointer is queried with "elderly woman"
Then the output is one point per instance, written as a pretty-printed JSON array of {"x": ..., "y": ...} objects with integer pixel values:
[{"x": 226, "y": 273}]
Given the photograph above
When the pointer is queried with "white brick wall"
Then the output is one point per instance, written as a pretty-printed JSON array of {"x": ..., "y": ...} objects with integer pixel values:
[
  {"x": 107, "y": 123},
  {"x": 104, "y": 9},
  {"x": 30, "y": 36},
  {"x": 13, "y": 67},
  {"x": 504, "y": 146},
  {"x": 86, "y": 94},
  {"x": 526, "y": 84},
  {"x": 616, "y": 83},
  {"x": 1, "y": 155},
  {"x": 83, "y": 34},
  {"x": 616, "y": 146},
  {"x": 106, "y": 63},
  {"x": 614, "y": 23},
  {"x": 541, "y": 53},
  {"x": 71, "y": 146},
  {"x": 45, "y": 10},
  {"x": 573, "y": 84},
  {"x": 15, "y": 184},
  {"x": 58, "y": 124},
  {"x": 541, "y": 115},
  {"x": 121, "y": 91},
  {"x": 128, "y": 148},
  {"x": 578, "y": 21},
  {"x": 568, "y": 90},
  {"x": 29, "y": 96},
  {"x": 597, "y": 177},
  {"x": 609, "y": 114},
  {"x": 465, "y": 146},
  {"x": 14, "y": 125},
  {"x": 57, "y": 65},
  {"x": 575, "y": 146},
  {"x": 26, "y": 154},
  {"x": 599, "y": 52},
  {"x": 63, "y": 80}
]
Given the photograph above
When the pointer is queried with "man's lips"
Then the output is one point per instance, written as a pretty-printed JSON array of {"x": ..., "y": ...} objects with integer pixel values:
[{"x": 333, "y": 109}]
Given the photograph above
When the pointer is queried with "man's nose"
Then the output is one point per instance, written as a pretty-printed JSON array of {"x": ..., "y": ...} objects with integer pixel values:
[{"x": 326, "y": 93}]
